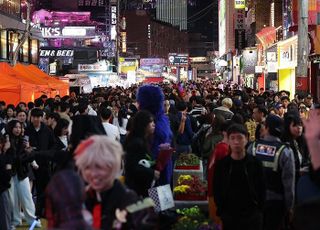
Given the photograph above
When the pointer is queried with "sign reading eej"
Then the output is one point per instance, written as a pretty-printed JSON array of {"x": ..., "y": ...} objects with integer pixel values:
[
  {"x": 239, "y": 4},
  {"x": 56, "y": 53},
  {"x": 68, "y": 31}
]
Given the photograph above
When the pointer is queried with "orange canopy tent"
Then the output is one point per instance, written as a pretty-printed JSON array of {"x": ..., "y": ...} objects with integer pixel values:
[
  {"x": 26, "y": 75},
  {"x": 38, "y": 88},
  {"x": 12, "y": 90},
  {"x": 62, "y": 88}
]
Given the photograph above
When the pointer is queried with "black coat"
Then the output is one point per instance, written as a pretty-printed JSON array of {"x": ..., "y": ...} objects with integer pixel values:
[
  {"x": 19, "y": 159},
  {"x": 118, "y": 197},
  {"x": 138, "y": 177},
  {"x": 254, "y": 180},
  {"x": 5, "y": 175},
  {"x": 42, "y": 140}
]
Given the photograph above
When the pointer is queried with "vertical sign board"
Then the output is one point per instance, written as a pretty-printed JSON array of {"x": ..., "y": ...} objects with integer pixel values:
[
  {"x": 240, "y": 29},
  {"x": 239, "y": 4},
  {"x": 240, "y": 39},
  {"x": 222, "y": 27}
]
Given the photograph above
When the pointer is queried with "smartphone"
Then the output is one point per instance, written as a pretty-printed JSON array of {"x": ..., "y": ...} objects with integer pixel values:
[{"x": 26, "y": 138}]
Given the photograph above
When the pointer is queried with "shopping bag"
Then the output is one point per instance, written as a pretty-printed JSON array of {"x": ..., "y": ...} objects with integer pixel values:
[{"x": 162, "y": 197}]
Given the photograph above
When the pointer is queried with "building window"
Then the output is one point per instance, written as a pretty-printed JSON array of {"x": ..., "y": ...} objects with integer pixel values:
[
  {"x": 25, "y": 51},
  {"x": 13, "y": 43},
  {"x": 4, "y": 43},
  {"x": 11, "y": 7},
  {"x": 34, "y": 51}
]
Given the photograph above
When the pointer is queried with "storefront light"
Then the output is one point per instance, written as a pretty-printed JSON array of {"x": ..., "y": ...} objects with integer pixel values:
[{"x": 74, "y": 31}]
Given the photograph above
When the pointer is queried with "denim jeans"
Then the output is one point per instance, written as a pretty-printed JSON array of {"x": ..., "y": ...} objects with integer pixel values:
[
  {"x": 5, "y": 210},
  {"x": 21, "y": 197}
]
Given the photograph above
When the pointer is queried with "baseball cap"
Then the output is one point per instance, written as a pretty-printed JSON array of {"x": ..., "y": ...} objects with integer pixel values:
[
  {"x": 278, "y": 106},
  {"x": 275, "y": 125}
]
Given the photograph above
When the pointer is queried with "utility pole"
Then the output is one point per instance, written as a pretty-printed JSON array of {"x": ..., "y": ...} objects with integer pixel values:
[
  {"x": 303, "y": 43},
  {"x": 25, "y": 35}
]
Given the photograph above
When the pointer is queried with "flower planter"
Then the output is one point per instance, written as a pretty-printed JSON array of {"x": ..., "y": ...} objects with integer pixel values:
[
  {"x": 187, "y": 167},
  {"x": 190, "y": 197}
]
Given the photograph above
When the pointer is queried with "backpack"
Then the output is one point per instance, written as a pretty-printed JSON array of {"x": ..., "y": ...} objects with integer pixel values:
[{"x": 198, "y": 139}]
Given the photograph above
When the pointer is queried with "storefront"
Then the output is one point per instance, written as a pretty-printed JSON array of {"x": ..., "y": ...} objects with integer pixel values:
[
  {"x": 250, "y": 57},
  {"x": 9, "y": 41},
  {"x": 10, "y": 34},
  {"x": 287, "y": 63},
  {"x": 128, "y": 68},
  {"x": 271, "y": 80},
  {"x": 178, "y": 64}
]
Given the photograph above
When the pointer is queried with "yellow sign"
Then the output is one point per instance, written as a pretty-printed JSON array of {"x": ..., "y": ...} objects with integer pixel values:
[{"x": 240, "y": 4}]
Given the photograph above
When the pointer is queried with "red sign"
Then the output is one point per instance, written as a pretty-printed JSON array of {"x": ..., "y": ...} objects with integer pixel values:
[{"x": 302, "y": 83}]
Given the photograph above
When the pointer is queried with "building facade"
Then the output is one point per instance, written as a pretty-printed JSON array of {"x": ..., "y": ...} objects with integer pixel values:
[
  {"x": 173, "y": 12},
  {"x": 226, "y": 26},
  {"x": 151, "y": 38},
  {"x": 11, "y": 30}
]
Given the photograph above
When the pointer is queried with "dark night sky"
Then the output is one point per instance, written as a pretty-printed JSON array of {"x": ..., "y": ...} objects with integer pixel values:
[{"x": 202, "y": 23}]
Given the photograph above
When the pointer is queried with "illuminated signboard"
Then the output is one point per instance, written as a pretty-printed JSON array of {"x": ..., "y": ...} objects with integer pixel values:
[
  {"x": 124, "y": 42},
  {"x": 56, "y": 53},
  {"x": 113, "y": 15},
  {"x": 239, "y": 4},
  {"x": 178, "y": 59},
  {"x": 68, "y": 32},
  {"x": 222, "y": 27},
  {"x": 92, "y": 3},
  {"x": 92, "y": 67}
]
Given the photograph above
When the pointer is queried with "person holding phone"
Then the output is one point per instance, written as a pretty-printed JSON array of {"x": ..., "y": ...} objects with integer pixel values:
[{"x": 20, "y": 193}]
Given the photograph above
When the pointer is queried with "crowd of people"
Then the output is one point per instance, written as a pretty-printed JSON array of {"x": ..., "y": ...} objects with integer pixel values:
[{"x": 79, "y": 161}]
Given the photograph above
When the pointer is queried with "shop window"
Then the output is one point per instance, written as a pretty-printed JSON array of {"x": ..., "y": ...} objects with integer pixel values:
[
  {"x": 11, "y": 7},
  {"x": 34, "y": 51},
  {"x": 4, "y": 43},
  {"x": 13, "y": 43},
  {"x": 25, "y": 51}
]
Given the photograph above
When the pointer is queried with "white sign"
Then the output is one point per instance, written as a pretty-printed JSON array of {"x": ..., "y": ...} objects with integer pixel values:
[
  {"x": 56, "y": 53},
  {"x": 68, "y": 31},
  {"x": 92, "y": 67},
  {"x": 152, "y": 61},
  {"x": 113, "y": 15},
  {"x": 288, "y": 53},
  {"x": 271, "y": 57},
  {"x": 199, "y": 59},
  {"x": 272, "y": 67},
  {"x": 259, "y": 69}
]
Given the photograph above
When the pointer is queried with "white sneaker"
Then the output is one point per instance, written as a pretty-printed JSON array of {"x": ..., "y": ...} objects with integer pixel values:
[{"x": 35, "y": 224}]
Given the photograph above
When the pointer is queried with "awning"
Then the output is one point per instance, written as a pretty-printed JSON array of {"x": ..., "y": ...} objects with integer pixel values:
[{"x": 267, "y": 35}]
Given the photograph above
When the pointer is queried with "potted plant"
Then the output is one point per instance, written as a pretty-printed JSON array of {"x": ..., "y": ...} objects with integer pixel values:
[
  {"x": 193, "y": 219},
  {"x": 190, "y": 187},
  {"x": 188, "y": 161}
]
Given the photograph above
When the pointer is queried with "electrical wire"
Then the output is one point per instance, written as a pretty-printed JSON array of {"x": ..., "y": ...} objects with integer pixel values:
[
  {"x": 200, "y": 17},
  {"x": 199, "y": 12}
]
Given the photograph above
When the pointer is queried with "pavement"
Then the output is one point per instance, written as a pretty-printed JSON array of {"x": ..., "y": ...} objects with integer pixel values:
[{"x": 24, "y": 226}]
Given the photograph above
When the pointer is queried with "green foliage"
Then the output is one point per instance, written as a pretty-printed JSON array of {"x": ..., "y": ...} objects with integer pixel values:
[{"x": 192, "y": 219}]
